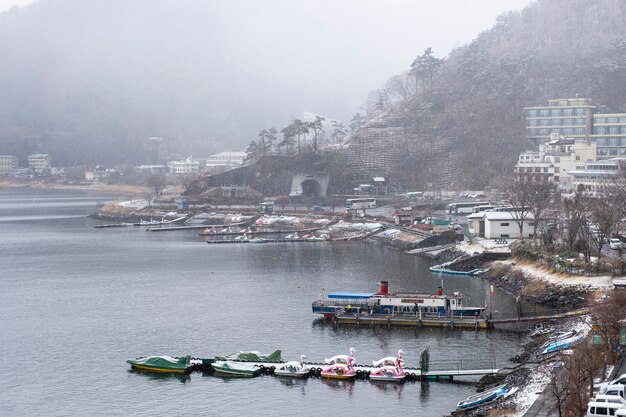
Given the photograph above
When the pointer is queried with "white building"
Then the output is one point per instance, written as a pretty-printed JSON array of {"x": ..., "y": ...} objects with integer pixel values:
[
  {"x": 596, "y": 175},
  {"x": 225, "y": 161},
  {"x": 8, "y": 163},
  {"x": 188, "y": 166},
  {"x": 554, "y": 161},
  {"x": 500, "y": 224},
  {"x": 39, "y": 161}
]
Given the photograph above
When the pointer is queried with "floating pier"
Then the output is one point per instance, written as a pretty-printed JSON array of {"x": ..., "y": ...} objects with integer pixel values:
[
  {"x": 266, "y": 241},
  {"x": 381, "y": 320},
  {"x": 257, "y": 232}
]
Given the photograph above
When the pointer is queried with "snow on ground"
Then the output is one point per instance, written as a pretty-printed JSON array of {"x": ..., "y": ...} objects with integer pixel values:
[
  {"x": 526, "y": 396},
  {"x": 535, "y": 271}
]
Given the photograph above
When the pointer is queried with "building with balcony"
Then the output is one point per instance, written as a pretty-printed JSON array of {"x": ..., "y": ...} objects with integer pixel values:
[
  {"x": 554, "y": 161},
  {"x": 609, "y": 133},
  {"x": 8, "y": 163},
  {"x": 188, "y": 166},
  {"x": 566, "y": 117},
  {"x": 224, "y": 161},
  {"x": 39, "y": 161},
  {"x": 596, "y": 176}
]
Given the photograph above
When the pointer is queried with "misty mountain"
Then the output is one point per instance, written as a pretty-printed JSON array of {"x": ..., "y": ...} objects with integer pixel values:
[
  {"x": 462, "y": 124},
  {"x": 90, "y": 81}
]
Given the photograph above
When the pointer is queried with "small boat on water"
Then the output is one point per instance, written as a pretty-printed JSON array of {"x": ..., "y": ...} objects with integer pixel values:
[
  {"x": 483, "y": 397},
  {"x": 293, "y": 369},
  {"x": 165, "y": 364},
  {"x": 390, "y": 369},
  {"x": 258, "y": 240},
  {"x": 438, "y": 269},
  {"x": 320, "y": 238},
  {"x": 340, "y": 370},
  {"x": 340, "y": 358},
  {"x": 384, "y": 303},
  {"x": 235, "y": 369}
]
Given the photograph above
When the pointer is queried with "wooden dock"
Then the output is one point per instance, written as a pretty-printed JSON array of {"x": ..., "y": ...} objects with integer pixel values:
[
  {"x": 267, "y": 241},
  {"x": 257, "y": 232},
  {"x": 389, "y": 321}
]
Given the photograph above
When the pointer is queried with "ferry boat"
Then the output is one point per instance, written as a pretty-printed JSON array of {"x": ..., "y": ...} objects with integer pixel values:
[{"x": 398, "y": 304}]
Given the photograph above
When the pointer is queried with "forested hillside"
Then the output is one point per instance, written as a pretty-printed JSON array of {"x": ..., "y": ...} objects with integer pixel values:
[{"x": 459, "y": 122}]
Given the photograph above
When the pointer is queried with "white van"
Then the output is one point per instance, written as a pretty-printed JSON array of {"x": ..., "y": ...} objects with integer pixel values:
[
  {"x": 610, "y": 399},
  {"x": 603, "y": 409},
  {"x": 617, "y": 389}
]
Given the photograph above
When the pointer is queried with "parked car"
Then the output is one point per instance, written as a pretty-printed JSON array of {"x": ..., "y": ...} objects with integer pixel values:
[
  {"x": 610, "y": 399},
  {"x": 602, "y": 409},
  {"x": 615, "y": 244},
  {"x": 621, "y": 380}
]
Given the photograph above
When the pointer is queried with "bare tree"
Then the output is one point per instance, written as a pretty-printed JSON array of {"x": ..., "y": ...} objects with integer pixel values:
[
  {"x": 575, "y": 215},
  {"x": 521, "y": 199},
  {"x": 542, "y": 199},
  {"x": 606, "y": 213},
  {"x": 558, "y": 389},
  {"x": 157, "y": 182}
]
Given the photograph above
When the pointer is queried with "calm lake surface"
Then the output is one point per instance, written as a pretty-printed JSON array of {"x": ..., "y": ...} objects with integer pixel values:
[{"x": 77, "y": 302}]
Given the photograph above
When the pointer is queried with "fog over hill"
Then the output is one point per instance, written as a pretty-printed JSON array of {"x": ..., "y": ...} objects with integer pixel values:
[
  {"x": 89, "y": 81},
  {"x": 460, "y": 122}
]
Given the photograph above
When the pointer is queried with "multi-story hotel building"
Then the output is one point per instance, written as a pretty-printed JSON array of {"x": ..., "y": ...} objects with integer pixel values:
[
  {"x": 554, "y": 161},
  {"x": 8, "y": 163},
  {"x": 609, "y": 133},
  {"x": 39, "y": 161},
  {"x": 571, "y": 117},
  {"x": 598, "y": 175}
]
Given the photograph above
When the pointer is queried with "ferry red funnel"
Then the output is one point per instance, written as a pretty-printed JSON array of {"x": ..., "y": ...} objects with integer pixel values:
[
  {"x": 439, "y": 291},
  {"x": 384, "y": 287}
]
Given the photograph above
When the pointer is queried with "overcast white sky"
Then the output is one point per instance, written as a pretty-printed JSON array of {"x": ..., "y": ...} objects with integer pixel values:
[{"x": 7, "y": 4}]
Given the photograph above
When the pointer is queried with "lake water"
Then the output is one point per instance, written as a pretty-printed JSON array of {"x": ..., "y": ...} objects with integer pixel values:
[{"x": 77, "y": 302}]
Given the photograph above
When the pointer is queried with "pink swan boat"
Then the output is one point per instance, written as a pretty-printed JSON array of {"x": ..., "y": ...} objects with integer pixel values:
[
  {"x": 340, "y": 370},
  {"x": 389, "y": 369}
]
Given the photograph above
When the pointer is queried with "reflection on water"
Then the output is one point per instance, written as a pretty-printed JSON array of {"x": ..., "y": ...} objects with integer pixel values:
[
  {"x": 161, "y": 376},
  {"x": 387, "y": 386},
  {"x": 339, "y": 385},
  {"x": 292, "y": 382}
]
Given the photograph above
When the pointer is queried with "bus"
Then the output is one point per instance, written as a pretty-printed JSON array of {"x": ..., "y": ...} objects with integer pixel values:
[
  {"x": 413, "y": 195},
  {"x": 464, "y": 208},
  {"x": 360, "y": 203}
]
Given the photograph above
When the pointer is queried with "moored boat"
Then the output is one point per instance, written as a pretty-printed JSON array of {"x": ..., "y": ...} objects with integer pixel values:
[
  {"x": 235, "y": 369},
  {"x": 561, "y": 344},
  {"x": 166, "y": 364},
  {"x": 293, "y": 369},
  {"x": 258, "y": 240},
  {"x": 483, "y": 397},
  {"x": 390, "y": 369},
  {"x": 399, "y": 304},
  {"x": 340, "y": 358},
  {"x": 340, "y": 370}
]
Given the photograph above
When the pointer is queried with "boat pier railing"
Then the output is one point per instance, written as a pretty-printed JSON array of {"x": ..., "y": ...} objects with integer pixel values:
[
  {"x": 349, "y": 318},
  {"x": 538, "y": 315},
  {"x": 258, "y": 232}
]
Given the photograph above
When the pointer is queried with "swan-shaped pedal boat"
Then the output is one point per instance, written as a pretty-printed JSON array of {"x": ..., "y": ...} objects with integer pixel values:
[
  {"x": 293, "y": 369},
  {"x": 389, "y": 369},
  {"x": 340, "y": 370},
  {"x": 340, "y": 358}
]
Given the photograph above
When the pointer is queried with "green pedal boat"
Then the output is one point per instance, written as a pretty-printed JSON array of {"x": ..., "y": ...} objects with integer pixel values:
[
  {"x": 235, "y": 369},
  {"x": 165, "y": 364}
]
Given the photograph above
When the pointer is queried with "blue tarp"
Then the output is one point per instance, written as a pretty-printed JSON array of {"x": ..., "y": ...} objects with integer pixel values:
[{"x": 353, "y": 295}]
